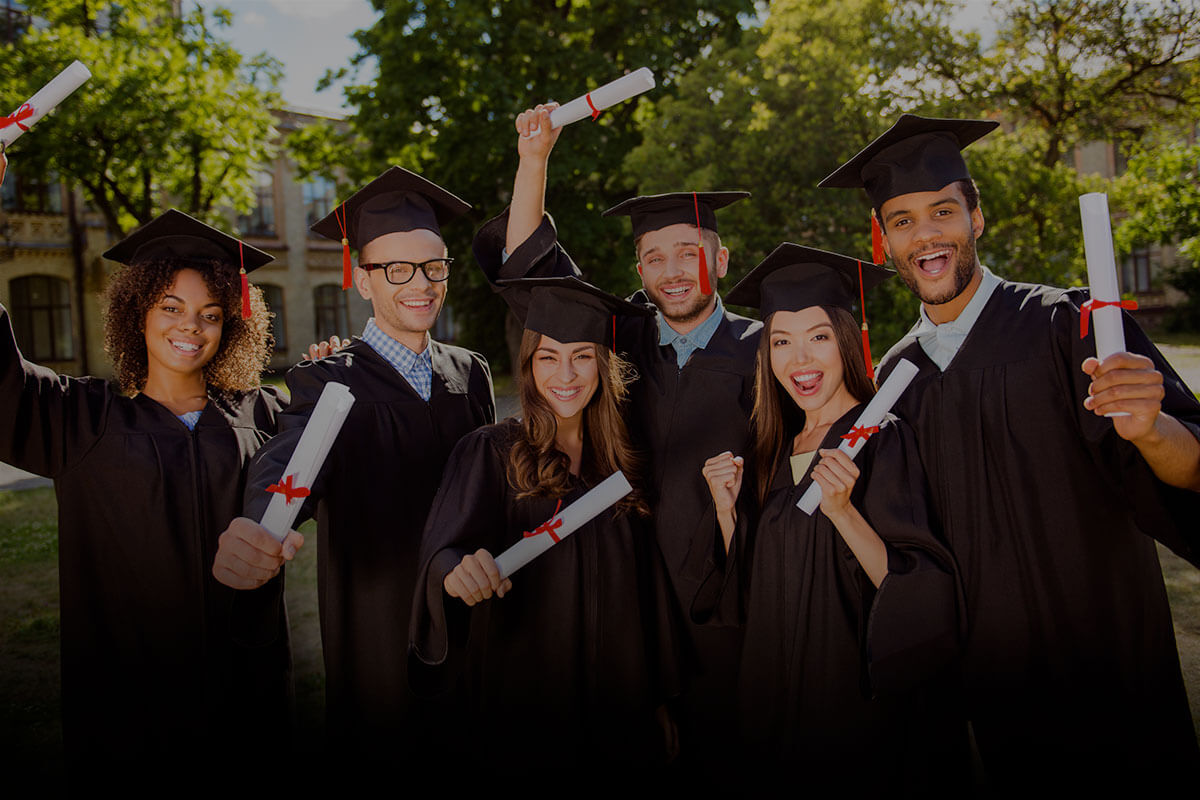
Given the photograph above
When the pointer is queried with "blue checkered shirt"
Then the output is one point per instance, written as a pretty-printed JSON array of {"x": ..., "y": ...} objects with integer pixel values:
[
  {"x": 687, "y": 343},
  {"x": 416, "y": 368}
]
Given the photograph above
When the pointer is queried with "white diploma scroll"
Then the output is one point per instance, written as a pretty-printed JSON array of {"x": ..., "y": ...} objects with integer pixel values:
[
  {"x": 606, "y": 96},
  {"x": 878, "y": 407},
  {"x": 319, "y": 434},
  {"x": 43, "y": 102},
  {"x": 1106, "y": 320},
  {"x": 570, "y": 519}
]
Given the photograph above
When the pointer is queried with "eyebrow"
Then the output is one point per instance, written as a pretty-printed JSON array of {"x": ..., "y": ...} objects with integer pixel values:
[
  {"x": 585, "y": 348},
  {"x": 655, "y": 248},
  {"x": 179, "y": 299},
  {"x": 902, "y": 211},
  {"x": 786, "y": 332}
]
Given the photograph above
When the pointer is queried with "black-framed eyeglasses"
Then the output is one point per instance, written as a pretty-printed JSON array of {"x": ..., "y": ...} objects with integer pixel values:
[{"x": 400, "y": 272}]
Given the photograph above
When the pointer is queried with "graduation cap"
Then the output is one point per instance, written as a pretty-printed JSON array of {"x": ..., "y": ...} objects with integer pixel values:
[
  {"x": 568, "y": 309},
  {"x": 917, "y": 154},
  {"x": 794, "y": 277},
  {"x": 656, "y": 211},
  {"x": 396, "y": 201},
  {"x": 178, "y": 237}
]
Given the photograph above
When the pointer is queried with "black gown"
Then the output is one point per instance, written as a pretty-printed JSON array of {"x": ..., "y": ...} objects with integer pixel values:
[
  {"x": 567, "y": 668},
  {"x": 681, "y": 418},
  {"x": 839, "y": 682},
  {"x": 370, "y": 501},
  {"x": 1070, "y": 666},
  {"x": 162, "y": 665}
]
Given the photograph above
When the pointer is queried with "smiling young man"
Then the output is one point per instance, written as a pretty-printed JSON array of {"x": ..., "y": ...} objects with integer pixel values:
[
  {"x": 414, "y": 399},
  {"x": 1070, "y": 671},
  {"x": 693, "y": 398}
]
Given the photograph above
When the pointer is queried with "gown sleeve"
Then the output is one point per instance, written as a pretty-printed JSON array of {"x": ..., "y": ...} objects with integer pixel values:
[
  {"x": 47, "y": 421},
  {"x": 469, "y": 513},
  {"x": 1167, "y": 513},
  {"x": 539, "y": 256},
  {"x": 915, "y": 624}
]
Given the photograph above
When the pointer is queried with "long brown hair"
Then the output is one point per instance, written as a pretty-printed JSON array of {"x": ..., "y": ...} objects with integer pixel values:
[
  {"x": 245, "y": 347},
  {"x": 775, "y": 415},
  {"x": 537, "y": 468}
]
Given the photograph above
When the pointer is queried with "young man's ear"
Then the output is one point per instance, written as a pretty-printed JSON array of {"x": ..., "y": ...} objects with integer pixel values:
[
  {"x": 639, "y": 268},
  {"x": 977, "y": 222},
  {"x": 362, "y": 282},
  {"x": 887, "y": 247},
  {"x": 722, "y": 262}
]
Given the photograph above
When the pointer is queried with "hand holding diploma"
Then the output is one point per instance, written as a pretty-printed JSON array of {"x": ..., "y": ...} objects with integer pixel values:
[
  {"x": 591, "y": 104},
  {"x": 475, "y": 579},
  {"x": 49, "y": 96},
  {"x": 865, "y": 426},
  {"x": 248, "y": 555}
]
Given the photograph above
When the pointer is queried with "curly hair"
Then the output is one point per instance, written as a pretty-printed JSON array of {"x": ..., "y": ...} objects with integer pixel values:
[
  {"x": 536, "y": 468},
  {"x": 245, "y": 347}
]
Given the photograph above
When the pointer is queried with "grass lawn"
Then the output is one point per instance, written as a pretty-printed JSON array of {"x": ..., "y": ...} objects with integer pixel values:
[{"x": 30, "y": 734}]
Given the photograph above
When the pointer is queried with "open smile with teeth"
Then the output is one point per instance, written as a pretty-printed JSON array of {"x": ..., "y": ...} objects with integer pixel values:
[
  {"x": 566, "y": 395},
  {"x": 418, "y": 304},
  {"x": 677, "y": 290},
  {"x": 807, "y": 383},
  {"x": 187, "y": 348},
  {"x": 935, "y": 262}
]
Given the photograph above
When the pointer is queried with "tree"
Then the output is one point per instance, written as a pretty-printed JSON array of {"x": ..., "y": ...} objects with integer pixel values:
[
  {"x": 1075, "y": 70},
  {"x": 453, "y": 76},
  {"x": 173, "y": 115}
]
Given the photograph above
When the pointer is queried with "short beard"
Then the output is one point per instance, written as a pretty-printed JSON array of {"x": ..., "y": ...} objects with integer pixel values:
[
  {"x": 692, "y": 312},
  {"x": 964, "y": 270}
]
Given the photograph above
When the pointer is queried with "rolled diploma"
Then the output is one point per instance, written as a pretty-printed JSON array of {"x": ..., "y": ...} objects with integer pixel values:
[
  {"x": 319, "y": 434},
  {"x": 575, "y": 516},
  {"x": 878, "y": 407},
  {"x": 606, "y": 96},
  {"x": 47, "y": 98},
  {"x": 1106, "y": 321}
]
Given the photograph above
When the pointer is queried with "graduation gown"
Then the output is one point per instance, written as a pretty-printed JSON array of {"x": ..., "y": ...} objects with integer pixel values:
[
  {"x": 1070, "y": 666},
  {"x": 838, "y": 678},
  {"x": 161, "y": 664},
  {"x": 370, "y": 501},
  {"x": 681, "y": 417},
  {"x": 567, "y": 668}
]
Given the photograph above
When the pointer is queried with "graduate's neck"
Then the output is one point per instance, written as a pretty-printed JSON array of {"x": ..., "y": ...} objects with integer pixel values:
[
  {"x": 178, "y": 392},
  {"x": 569, "y": 439},
  {"x": 684, "y": 326},
  {"x": 415, "y": 341},
  {"x": 818, "y": 420},
  {"x": 948, "y": 312}
]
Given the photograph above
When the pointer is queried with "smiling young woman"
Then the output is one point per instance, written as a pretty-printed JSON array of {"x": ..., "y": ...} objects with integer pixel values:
[
  {"x": 849, "y": 612},
  {"x": 582, "y": 645},
  {"x": 157, "y": 657}
]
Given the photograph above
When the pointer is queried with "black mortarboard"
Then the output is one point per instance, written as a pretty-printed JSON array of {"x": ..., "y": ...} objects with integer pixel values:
[
  {"x": 655, "y": 211},
  {"x": 794, "y": 277},
  {"x": 398, "y": 200},
  {"x": 570, "y": 310},
  {"x": 917, "y": 154},
  {"x": 176, "y": 236}
]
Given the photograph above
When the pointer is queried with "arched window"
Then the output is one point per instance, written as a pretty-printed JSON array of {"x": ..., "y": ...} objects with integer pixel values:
[
  {"x": 274, "y": 297},
  {"x": 332, "y": 314},
  {"x": 41, "y": 315}
]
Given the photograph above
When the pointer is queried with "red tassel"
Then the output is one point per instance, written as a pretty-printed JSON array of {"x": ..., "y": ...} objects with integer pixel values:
[
  {"x": 346, "y": 268},
  {"x": 705, "y": 286},
  {"x": 245, "y": 296},
  {"x": 877, "y": 254},
  {"x": 246, "y": 312}
]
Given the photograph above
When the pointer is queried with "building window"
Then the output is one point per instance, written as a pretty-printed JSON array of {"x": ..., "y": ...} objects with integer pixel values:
[
  {"x": 332, "y": 312},
  {"x": 260, "y": 221},
  {"x": 31, "y": 194},
  {"x": 320, "y": 195},
  {"x": 273, "y": 295},
  {"x": 41, "y": 316},
  {"x": 1135, "y": 271}
]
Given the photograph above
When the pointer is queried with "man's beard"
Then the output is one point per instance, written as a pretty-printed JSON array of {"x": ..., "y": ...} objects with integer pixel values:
[
  {"x": 964, "y": 270},
  {"x": 692, "y": 312}
]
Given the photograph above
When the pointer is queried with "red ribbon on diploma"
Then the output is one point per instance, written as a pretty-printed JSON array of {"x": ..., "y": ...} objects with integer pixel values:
[
  {"x": 1090, "y": 305},
  {"x": 595, "y": 111},
  {"x": 549, "y": 526},
  {"x": 860, "y": 432},
  {"x": 287, "y": 490},
  {"x": 24, "y": 112}
]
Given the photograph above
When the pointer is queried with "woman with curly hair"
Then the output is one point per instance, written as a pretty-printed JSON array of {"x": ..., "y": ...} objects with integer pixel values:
[
  {"x": 159, "y": 660},
  {"x": 575, "y": 643}
]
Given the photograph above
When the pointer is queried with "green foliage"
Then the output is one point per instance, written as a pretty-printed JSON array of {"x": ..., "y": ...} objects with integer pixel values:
[
  {"x": 453, "y": 76},
  {"x": 173, "y": 115}
]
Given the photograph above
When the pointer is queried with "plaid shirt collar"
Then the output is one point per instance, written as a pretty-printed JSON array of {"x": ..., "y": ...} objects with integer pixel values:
[{"x": 416, "y": 368}]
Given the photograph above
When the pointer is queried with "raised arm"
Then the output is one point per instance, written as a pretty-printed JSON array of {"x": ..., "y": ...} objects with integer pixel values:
[{"x": 529, "y": 188}]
